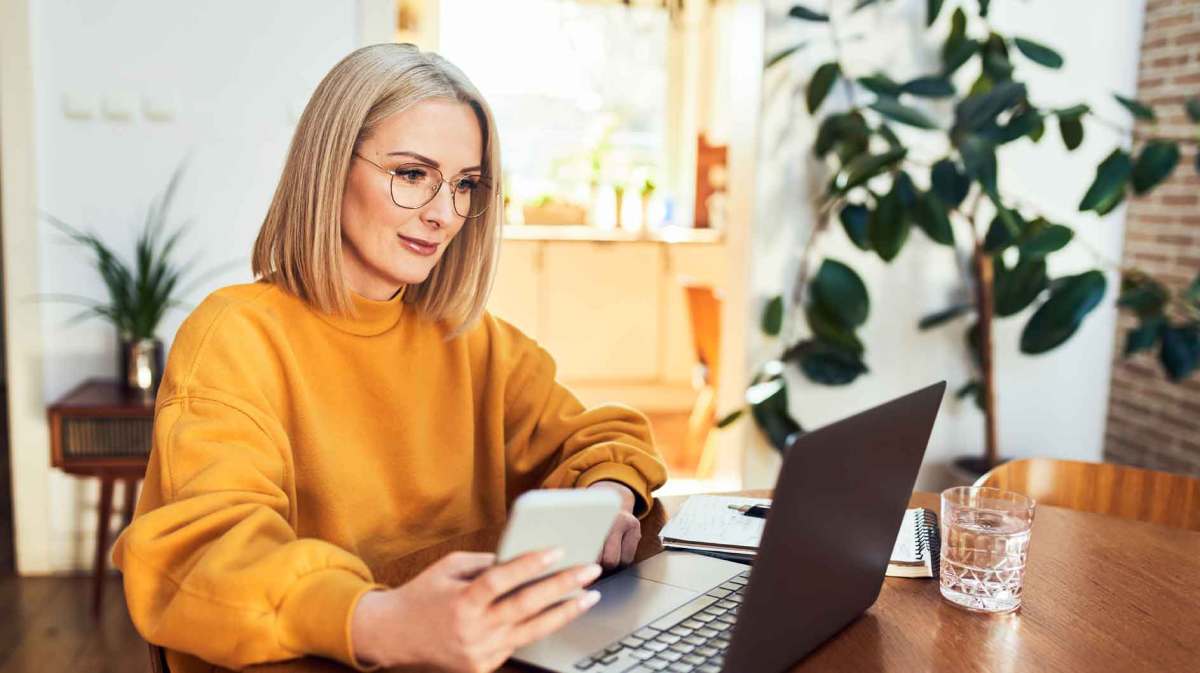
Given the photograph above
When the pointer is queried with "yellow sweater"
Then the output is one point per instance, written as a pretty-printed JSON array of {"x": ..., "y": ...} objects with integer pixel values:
[{"x": 295, "y": 452}]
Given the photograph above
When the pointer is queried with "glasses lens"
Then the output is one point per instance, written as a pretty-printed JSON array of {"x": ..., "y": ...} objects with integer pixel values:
[
  {"x": 414, "y": 185},
  {"x": 470, "y": 196}
]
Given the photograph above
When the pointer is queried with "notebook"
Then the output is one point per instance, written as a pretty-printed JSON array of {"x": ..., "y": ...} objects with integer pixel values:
[{"x": 705, "y": 524}]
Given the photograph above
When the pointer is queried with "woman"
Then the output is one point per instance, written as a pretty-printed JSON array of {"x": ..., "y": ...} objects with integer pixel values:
[{"x": 357, "y": 404}]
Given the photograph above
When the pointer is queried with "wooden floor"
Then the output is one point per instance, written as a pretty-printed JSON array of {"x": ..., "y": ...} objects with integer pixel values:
[{"x": 46, "y": 626}]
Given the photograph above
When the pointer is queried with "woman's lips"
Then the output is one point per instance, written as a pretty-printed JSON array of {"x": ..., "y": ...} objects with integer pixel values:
[{"x": 419, "y": 246}]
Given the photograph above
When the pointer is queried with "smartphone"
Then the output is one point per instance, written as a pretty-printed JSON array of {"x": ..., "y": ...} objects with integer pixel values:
[{"x": 576, "y": 519}]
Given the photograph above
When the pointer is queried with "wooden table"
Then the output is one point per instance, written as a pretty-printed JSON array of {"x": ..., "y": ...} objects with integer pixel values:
[
  {"x": 99, "y": 430},
  {"x": 1102, "y": 594}
]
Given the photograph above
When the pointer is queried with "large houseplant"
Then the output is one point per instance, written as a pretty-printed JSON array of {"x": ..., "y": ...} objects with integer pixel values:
[
  {"x": 878, "y": 190},
  {"x": 140, "y": 291}
]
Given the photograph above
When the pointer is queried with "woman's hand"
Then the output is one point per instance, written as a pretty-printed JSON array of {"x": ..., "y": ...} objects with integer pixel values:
[
  {"x": 459, "y": 615},
  {"x": 626, "y": 533}
]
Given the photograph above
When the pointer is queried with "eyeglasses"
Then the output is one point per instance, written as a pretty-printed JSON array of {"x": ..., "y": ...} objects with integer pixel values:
[{"x": 414, "y": 185}]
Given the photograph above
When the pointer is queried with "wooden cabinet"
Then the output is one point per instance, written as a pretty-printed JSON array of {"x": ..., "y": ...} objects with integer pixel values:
[{"x": 612, "y": 313}]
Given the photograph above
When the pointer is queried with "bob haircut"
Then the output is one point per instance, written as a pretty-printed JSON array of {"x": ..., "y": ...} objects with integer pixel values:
[{"x": 300, "y": 244}]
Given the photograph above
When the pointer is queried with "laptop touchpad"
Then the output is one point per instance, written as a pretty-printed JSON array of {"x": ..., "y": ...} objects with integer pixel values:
[{"x": 689, "y": 571}]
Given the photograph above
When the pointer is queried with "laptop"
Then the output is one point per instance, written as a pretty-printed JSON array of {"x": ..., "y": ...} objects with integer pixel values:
[{"x": 837, "y": 508}]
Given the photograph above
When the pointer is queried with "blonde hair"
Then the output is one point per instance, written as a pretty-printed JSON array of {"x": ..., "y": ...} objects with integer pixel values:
[{"x": 300, "y": 244}]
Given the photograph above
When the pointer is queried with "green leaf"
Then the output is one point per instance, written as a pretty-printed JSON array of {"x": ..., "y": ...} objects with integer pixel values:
[
  {"x": 949, "y": 183},
  {"x": 826, "y": 363},
  {"x": 1193, "y": 109},
  {"x": 821, "y": 83},
  {"x": 1180, "y": 352},
  {"x": 1143, "y": 295},
  {"x": 770, "y": 412},
  {"x": 864, "y": 3},
  {"x": 955, "y": 55},
  {"x": 979, "y": 160},
  {"x": 888, "y": 227},
  {"x": 866, "y": 167},
  {"x": 880, "y": 85},
  {"x": 1025, "y": 123},
  {"x": 1045, "y": 239},
  {"x": 1002, "y": 232},
  {"x": 1155, "y": 163},
  {"x": 934, "y": 319},
  {"x": 932, "y": 9},
  {"x": 930, "y": 215},
  {"x": 928, "y": 87},
  {"x": 899, "y": 112},
  {"x": 1071, "y": 299},
  {"x": 973, "y": 389},
  {"x": 1108, "y": 189},
  {"x": 1073, "y": 112},
  {"x": 984, "y": 5},
  {"x": 1144, "y": 336},
  {"x": 1071, "y": 129},
  {"x": 772, "y": 320},
  {"x": 842, "y": 292},
  {"x": 805, "y": 14},
  {"x": 777, "y": 58},
  {"x": 996, "y": 64},
  {"x": 979, "y": 110},
  {"x": 1192, "y": 293},
  {"x": 1039, "y": 53},
  {"x": 1139, "y": 109},
  {"x": 845, "y": 132},
  {"x": 1018, "y": 287},
  {"x": 856, "y": 220},
  {"x": 956, "y": 42},
  {"x": 828, "y": 328}
]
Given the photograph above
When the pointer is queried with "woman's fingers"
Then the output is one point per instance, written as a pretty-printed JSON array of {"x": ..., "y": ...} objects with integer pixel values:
[
  {"x": 528, "y": 601},
  {"x": 466, "y": 565},
  {"x": 629, "y": 543},
  {"x": 499, "y": 580},
  {"x": 552, "y": 620}
]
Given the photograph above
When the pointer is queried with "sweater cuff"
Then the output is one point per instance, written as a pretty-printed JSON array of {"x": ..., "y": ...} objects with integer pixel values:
[
  {"x": 317, "y": 613},
  {"x": 624, "y": 474}
]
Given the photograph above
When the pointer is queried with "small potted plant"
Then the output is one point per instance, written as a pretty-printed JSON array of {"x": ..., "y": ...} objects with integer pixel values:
[{"x": 139, "y": 293}]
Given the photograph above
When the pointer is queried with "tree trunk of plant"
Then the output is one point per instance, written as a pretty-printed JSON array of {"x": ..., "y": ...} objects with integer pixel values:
[{"x": 984, "y": 277}]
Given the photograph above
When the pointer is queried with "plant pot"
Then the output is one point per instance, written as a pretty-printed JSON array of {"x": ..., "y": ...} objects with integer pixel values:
[
  {"x": 141, "y": 367},
  {"x": 966, "y": 469}
]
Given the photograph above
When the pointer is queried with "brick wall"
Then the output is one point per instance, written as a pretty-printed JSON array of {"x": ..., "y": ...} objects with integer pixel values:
[{"x": 1151, "y": 421}]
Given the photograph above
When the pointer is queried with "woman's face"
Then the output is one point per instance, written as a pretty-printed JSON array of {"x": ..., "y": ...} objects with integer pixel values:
[{"x": 385, "y": 246}]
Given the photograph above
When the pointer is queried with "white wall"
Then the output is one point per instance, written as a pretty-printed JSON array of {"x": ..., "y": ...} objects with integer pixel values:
[
  {"x": 237, "y": 74},
  {"x": 1049, "y": 405}
]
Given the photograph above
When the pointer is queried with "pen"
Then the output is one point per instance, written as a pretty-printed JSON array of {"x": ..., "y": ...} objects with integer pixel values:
[{"x": 756, "y": 511}]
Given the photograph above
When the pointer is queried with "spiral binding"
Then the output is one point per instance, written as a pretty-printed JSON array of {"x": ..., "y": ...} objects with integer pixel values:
[{"x": 929, "y": 539}]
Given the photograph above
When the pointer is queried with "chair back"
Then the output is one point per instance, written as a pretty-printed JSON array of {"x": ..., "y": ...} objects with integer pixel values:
[
  {"x": 704, "y": 314},
  {"x": 1103, "y": 488}
]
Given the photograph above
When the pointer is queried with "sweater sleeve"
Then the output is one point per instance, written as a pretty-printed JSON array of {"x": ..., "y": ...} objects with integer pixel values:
[
  {"x": 552, "y": 441},
  {"x": 211, "y": 550}
]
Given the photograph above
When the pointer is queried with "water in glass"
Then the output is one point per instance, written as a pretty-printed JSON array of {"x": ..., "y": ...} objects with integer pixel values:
[{"x": 985, "y": 542}]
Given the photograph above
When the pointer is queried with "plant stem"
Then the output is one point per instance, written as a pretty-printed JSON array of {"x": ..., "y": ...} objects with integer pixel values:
[
  {"x": 984, "y": 276},
  {"x": 1127, "y": 132}
]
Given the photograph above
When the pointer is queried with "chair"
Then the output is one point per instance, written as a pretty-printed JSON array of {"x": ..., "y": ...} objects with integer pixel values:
[
  {"x": 1103, "y": 488},
  {"x": 704, "y": 314}
]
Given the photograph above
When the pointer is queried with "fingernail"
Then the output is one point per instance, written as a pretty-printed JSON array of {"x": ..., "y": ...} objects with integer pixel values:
[
  {"x": 588, "y": 573},
  {"x": 589, "y": 599},
  {"x": 552, "y": 556}
]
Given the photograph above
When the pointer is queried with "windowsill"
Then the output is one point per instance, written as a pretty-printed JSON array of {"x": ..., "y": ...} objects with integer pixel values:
[{"x": 583, "y": 232}]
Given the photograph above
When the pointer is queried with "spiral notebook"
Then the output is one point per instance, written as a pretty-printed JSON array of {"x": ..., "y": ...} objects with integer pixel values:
[{"x": 706, "y": 525}]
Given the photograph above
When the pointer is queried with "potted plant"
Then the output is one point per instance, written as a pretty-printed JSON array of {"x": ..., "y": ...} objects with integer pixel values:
[
  {"x": 878, "y": 191},
  {"x": 140, "y": 291}
]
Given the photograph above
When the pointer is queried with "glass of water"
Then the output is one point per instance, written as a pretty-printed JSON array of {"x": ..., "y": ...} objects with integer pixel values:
[{"x": 985, "y": 541}]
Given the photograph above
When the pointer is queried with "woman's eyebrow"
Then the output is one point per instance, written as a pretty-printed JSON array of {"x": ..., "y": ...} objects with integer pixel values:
[{"x": 426, "y": 160}]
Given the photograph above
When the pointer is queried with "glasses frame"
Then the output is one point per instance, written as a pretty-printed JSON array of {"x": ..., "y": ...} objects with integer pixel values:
[{"x": 442, "y": 180}]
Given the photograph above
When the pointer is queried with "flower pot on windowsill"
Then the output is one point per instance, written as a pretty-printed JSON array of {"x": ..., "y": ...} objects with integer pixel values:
[{"x": 141, "y": 367}]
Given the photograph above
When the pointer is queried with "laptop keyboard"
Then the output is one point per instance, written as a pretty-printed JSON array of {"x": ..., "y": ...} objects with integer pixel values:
[{"x": 692, "y": 638}]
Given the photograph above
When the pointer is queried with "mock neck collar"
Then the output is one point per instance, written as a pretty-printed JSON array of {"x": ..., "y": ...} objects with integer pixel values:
[{"x": 369, "y": 317}]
